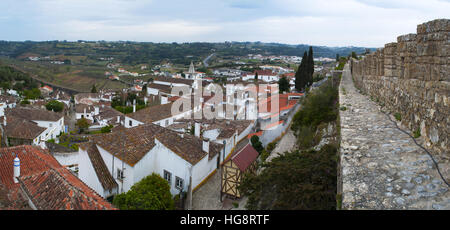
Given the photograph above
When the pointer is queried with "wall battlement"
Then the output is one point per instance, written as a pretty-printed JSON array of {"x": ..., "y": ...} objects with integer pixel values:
[{"x": 412, "y": 77}]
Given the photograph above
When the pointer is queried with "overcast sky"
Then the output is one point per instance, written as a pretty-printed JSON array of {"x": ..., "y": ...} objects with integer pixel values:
[{"x": 369, "y": 23}]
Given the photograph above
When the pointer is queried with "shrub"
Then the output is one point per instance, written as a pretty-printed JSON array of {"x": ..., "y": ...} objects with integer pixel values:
[
  {"x": 151, "y": 193},
  {"x": 256, "y": 144},
  {"x": 417, "y": 133},
  {"x": 106, "y": 129},
  {"x": 55, "y": 106},
  {"x": 398, "y": 116},
  {"x": 295, "y": 180}
]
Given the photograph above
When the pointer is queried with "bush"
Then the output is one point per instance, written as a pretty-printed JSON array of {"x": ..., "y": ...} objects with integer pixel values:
[
  {"x": 256, "y": 144},
  {"x": 106, "y": 129},
  {"x": 55, "y": 106},
  {"x": 296, "y": 180},
  {"x": 318, "y": 107},
  {"x": 151, "y": 193},
  {"x": 398, "y": 116},
  {"x": 417, "y": 133}
]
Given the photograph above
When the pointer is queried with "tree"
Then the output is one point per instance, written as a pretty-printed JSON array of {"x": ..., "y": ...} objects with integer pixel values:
[
  {"x": 94, "y": 89},
  {"x": 283, "y": 85},
  {"x": 151, "y": 193},
  {"x": 257, "y": 145},
  {"x": 82, "y": 124},
  {"x": 301, "y": 75},
  {"x": 354, "y": 55},
  {"x": 144, "y": 89},
  {"x": 310, "y": 66},
  {"x": 337, "y": 57},
  {"x": 34, "y": 93},
  {"x": 55, "y": 106}
]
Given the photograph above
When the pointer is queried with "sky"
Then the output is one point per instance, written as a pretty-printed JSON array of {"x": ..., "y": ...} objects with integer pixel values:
[{"x": 367, "y": 23}]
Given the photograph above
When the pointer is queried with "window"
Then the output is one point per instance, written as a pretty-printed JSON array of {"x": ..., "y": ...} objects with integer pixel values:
[
  {"x": 168, "y": 177},
  {"x": 131, "y": 123},
  {"x": 178, "y": 183},
  {"x": 50, "y": 125},
  {"x": 120, "y": 174}
]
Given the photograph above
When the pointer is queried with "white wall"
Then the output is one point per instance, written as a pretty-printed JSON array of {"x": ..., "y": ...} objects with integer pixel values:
[
  {"x": 86, "y": 173},
  {"x": 134, "y": 122},
  {"x": 161, "y": 158},
  {"x": 53, "y": 128},
  {"x": 202, "y": 169},
  {"x": 65, "y": 159},
  {"x": 128, "y": 181}
]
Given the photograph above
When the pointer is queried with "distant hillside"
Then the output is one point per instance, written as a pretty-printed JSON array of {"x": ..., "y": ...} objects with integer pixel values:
[{"x": 133, "y": 53}]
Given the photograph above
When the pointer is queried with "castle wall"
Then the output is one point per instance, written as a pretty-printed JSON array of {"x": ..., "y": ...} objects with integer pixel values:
[{"x": 412, "y": 77}]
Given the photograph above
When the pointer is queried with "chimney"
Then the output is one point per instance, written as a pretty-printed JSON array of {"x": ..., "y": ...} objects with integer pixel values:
[
  {"x": 205, "y": 146},
  {"x": 16, "y": 169},
  {"x": 163, "y": 100},
  {"x": 197, "y": 129},
  {"x": 84, "y": 112},
  {"x": 118, "y": 119},
  {"x": 134, "y": 105},
  {"x": 96, "y": 110}
]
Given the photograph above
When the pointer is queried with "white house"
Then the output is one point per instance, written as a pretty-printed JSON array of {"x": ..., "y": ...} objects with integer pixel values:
[
  {"x": 48, "y": 125},
  {"x": 160, "y": 114},
  {"x": 86, "y": 111},
  {"x": 123, "y": 158},
  {"x": 6, "y": 102},
  {"x": 264, "y": 75}
]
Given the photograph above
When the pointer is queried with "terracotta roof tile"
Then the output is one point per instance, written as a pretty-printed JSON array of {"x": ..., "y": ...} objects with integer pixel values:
[
  {"x": 131, "y": 145},
  {"x": 33, "y": 114},
  {"x": 245, "y": 157},
  {"x": 45, "y": 181}
]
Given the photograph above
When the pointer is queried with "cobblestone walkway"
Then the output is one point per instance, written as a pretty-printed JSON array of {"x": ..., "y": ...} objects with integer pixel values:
[{"x": 382, "y": 168}]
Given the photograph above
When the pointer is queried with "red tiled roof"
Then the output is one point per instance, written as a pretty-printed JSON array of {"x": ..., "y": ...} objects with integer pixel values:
[
  {"x": 49, "y": 185},
  {"x": 245, "y": 157},
  {"x": 264, "y": 72}
]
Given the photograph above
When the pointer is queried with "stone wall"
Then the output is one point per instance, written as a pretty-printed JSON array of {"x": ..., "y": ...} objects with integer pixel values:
[{"x": 412, "y": 77}]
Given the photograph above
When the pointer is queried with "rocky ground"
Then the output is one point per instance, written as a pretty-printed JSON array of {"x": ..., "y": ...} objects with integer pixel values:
[{"x": 382, "y": 168}]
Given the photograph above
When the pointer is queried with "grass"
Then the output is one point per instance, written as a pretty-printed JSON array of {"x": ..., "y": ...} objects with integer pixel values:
[{"x": 339, "y": 201}]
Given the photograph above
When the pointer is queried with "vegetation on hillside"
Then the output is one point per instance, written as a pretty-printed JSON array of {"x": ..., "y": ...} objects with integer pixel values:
[{"x": 11, "y": 78}]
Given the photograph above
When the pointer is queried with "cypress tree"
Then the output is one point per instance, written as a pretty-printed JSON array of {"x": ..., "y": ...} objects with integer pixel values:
[
  {"x": 302, "y": 73},
  {"x": 310, "y": 66}
]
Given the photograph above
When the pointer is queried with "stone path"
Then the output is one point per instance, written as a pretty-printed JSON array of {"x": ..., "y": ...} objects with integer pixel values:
[
  {"x": 382, "y": 168},
  {"x": 207, "y": 197},
  {"x": 286, "y": 143}
]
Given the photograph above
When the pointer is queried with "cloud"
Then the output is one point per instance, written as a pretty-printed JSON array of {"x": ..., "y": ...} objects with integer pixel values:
[
  {"x": 321, "y": 22},
  {"x": 146, "y": 31}
]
